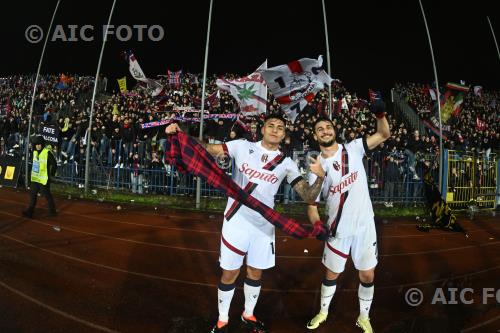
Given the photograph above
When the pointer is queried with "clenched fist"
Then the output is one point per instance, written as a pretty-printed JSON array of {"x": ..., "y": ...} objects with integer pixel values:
[{"x": 172, "y": 129}]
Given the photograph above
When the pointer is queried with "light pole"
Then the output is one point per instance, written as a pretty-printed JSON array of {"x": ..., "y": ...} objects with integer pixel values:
[
  {"x": 438, "y": 98},
  {"x": 96, "y": 81},
  {"x": 327, "y": 60},
  {"x": 202, "y": 112},
  {"x": 26, "y": 156}
]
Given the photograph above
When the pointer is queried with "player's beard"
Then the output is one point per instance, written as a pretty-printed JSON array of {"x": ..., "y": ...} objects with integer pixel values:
[{"x": 327, "y": 144}]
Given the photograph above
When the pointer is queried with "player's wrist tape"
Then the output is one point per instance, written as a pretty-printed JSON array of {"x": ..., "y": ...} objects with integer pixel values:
[{"x": 380, "y": 115}]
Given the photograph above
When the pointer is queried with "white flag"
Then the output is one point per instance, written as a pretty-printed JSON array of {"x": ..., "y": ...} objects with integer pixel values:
[
  {"x": 478, "y": 91},
  {"x": 295, "y": 84},
  {"x": 344, "y": 104},
  {"x": 138, "y": 74},
  {"x": 432, "y": 92},
  {"x": 135, "y": 69},
  {"x": 250, "y": 91}
]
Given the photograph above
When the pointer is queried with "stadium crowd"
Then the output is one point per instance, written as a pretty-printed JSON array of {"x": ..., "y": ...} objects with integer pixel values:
[
  {"x": 118, "y": 140},
  {"x": 477, "y": 126}
]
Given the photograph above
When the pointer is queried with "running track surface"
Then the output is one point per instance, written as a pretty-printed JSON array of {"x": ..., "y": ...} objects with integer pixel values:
[{"x": 141, "y": 269}]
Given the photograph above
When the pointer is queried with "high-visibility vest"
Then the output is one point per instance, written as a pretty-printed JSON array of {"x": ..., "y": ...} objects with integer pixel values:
[{"x": 39, "y": 172}]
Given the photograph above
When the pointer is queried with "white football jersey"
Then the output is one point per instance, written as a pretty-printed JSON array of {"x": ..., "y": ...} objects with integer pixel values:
[
  {"x": 345, "y": 189},
  {"x": 260, "y": 172}
]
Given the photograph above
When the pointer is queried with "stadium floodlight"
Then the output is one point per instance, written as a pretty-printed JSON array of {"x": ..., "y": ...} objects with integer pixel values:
[
  {"x": 26, "y": 157},
  {"x": 96, "y": 81},
  {"x": 438, "y": 99},
  {"x": 202, "y": 112}
]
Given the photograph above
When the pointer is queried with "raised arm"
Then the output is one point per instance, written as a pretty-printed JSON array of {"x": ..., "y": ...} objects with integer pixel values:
[
  {"x": 383, "y": 131},
  {"x": 213, "y": 149}
]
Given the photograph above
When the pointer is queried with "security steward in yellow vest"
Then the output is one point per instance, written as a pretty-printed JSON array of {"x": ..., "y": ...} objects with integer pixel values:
[{"x": 43, "y": 169}]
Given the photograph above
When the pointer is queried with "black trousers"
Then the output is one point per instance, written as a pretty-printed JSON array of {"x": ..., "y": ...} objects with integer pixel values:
[{"x": 45, "y": 191}]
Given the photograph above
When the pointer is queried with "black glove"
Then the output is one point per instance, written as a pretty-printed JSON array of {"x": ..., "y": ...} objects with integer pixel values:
[
  {"x": 377, "y": 107},
  {"x": 325, "y": 232}
]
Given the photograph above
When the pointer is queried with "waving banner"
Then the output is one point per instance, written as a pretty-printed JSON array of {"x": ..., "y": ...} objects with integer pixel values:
[
  {"x": 295, "y": 84},
  {"x": 138, "y": 74},
  {"x": 451, "y": 105},
  {"x": 250, "y": 91},
  {"x": 122, "y": 83}
]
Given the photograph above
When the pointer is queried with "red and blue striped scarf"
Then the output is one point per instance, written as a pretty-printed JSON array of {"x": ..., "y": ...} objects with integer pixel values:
[{"x": 188, "y": 156}]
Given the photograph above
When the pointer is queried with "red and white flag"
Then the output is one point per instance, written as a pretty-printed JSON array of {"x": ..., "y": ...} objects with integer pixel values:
[
  {"x": 295, "y": 84},
  {"x": 250, "y": 91},
  {"x": 138, "y": 74},
  {"x": 211, "y": 100}
]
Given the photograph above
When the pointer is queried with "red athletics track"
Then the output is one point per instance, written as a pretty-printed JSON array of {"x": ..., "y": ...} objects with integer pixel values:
[{"x": 145, "y": 270}]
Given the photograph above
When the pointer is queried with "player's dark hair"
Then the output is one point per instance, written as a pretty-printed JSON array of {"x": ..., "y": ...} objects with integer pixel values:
[
  {"x": 275, "y": 116},
  {"x": 320, "y": 119}
]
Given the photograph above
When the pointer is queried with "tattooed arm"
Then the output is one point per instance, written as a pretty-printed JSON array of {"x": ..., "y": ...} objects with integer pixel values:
[{"x": 309, "y": 193}]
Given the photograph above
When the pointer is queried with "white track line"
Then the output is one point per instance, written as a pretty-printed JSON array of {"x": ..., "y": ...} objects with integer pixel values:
[
  {"x": 63, "y": 227},
  {"x": 218, "y": 232},
  {"x": 481, "y": 325},
  {"x": 151, "y": 276},
  {"x": 121, "y": 222},
  {"x": 156, "y": 277},
  {"x": 440, "y": 250},
  {"x": 216, "y": 251},
  {"x": 56, "y": 311}
]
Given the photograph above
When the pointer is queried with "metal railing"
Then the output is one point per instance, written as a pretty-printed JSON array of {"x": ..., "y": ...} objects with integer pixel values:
[
  {"x": 468, "y": 177},
  {"x": 406, "y": 187},
  {"x": 471, "y": 179}
]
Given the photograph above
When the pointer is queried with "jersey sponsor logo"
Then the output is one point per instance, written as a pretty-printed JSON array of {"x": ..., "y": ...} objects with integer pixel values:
[
  {"x": 255, "y": 174},
  {"x": 344, "y": 185}
]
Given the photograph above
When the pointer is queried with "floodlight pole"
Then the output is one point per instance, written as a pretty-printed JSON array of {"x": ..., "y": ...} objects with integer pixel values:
[
  {"x": 96, "y": 81},
  {"x": 202, "y": 111},
  {"x": 26, "y": 156},
  {"x": 330, "y": 112},
  {"x": 438, "y": 99}
]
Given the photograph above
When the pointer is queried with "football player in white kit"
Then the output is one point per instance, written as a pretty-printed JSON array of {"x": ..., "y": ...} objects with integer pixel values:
[
  {"x": 350, "y": 213},
  {"x": 259, "y": 168}
]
